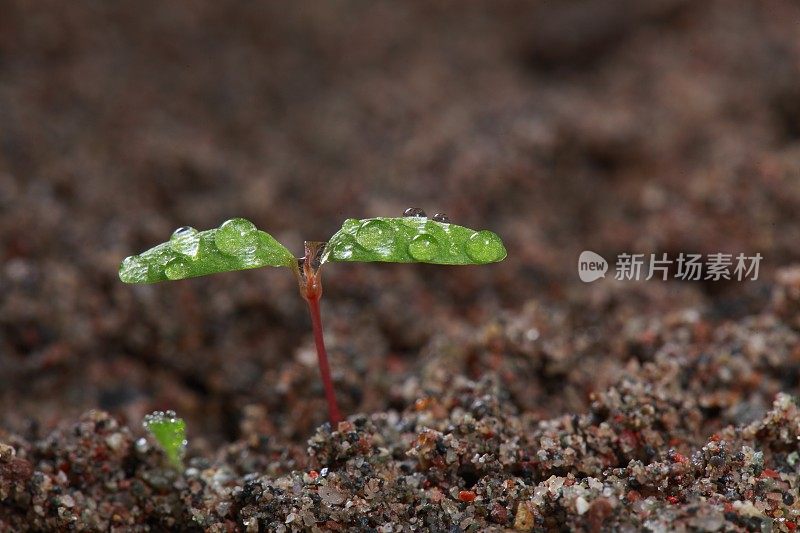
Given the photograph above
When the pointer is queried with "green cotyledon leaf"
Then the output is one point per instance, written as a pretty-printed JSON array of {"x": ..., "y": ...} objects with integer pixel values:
[
  {"x": 413, "y": 239},
  {"x": 235, "y": 245},
  {"x": 170, "y": 433}
]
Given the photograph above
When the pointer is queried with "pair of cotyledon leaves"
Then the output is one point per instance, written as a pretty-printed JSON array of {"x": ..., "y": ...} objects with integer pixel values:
[{"x": 237, "y": 245}]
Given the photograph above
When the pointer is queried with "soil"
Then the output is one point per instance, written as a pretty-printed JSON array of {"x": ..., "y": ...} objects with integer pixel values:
[{"x": 502, "y": 397}]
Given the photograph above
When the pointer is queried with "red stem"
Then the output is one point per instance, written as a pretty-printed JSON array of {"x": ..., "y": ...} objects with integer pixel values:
[
  {"x": 310, "y": 281},
  {"x": 322, "y": 357}
]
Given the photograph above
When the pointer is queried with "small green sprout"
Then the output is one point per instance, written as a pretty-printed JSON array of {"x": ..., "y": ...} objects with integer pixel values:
[
  {"x": 238, "y": 245},
  {"x": 170, "y": 433}
]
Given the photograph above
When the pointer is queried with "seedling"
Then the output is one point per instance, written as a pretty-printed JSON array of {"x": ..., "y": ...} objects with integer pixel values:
[
  {"x": 238, "y": 245},
  {"x": 170, "y": 433}
]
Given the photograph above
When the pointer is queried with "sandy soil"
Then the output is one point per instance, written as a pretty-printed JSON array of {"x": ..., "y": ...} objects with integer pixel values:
[{"x": 508, "y": 396}]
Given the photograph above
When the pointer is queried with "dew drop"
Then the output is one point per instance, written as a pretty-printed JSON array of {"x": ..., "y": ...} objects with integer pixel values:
[
  {"x": 177, "y": 269},
  {"x": 343, "y": 248},
  {"x": 133, "y": 270},
  {"x": 155, "y": 417},
  {"x": 441, "y": 217},
  {"x": 236, "y": 236},
  {"x": 183, "y": 230},
  {"x": 423, "y": 247},
  {"x": 350, "y": 225},
  {"x": 375, "y": 235},
  {"x": 485, "y": 247},
  {"x": 185, "y": 240},
  {"x": 414, "y": 212}
]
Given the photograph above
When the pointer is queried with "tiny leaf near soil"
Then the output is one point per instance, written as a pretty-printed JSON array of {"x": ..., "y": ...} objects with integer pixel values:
[
  {"x": 413, "y": 239},
  {"x": 170, "y": 433},
  {"x": 236, "y": 245}
]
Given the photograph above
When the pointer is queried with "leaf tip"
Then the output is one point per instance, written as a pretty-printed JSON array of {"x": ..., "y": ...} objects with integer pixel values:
[{"x": 132, "y": 270}]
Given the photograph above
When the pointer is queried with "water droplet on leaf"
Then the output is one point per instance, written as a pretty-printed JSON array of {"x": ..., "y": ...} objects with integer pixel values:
[
  {"x": 351, "y": 224},
  {"x": 185, "y": 240},
  {"x": 236, "y": 236},
  {"x": 414, "y": 212},
  {"x": 375, "y": 235},
  {"x": 133, "y": 270},
  {"x": 423, "y": 247},
  {"x": 441, "y": 217},
  {"x": 485, "y": 247},
  {"x": 183, "y": 230},
  {"x": 177, "y": 269},
  {"x": 343, "y": 248}
]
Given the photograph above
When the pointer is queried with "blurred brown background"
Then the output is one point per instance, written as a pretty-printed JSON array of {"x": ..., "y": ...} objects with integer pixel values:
[{"x": 616, "y": 126}]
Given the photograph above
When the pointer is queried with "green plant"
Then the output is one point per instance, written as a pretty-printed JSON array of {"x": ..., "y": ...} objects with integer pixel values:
[
  {"x": 238, "y": 245},
  {"x": 170, "y": 433}
]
